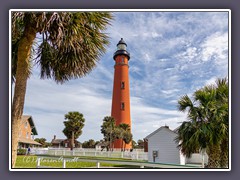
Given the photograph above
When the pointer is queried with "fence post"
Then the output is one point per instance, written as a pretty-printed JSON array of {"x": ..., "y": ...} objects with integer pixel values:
[
  {"x": 122, "y": 154},
  {"x": 98, "y": 164},
  {"x": 38, "y": 161},
  {"x": 64, "y": 163},
  {"x": 137, "y": 155}
]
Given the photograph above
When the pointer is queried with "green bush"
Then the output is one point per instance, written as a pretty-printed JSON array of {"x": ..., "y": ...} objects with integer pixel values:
[{"x": 21, "y": 151}]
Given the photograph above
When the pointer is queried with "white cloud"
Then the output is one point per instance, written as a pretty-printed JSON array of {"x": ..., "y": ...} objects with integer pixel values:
[
  {"x": 53, "y": 101},
  {"x": 146, "y": 118},
  {"x": 211, "y": 81},
  {"x": 216, "y": 47}
]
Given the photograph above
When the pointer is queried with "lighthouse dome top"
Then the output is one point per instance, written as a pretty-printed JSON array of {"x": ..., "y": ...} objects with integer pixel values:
[
  {"x": 122, "y": 42},
  {"x": 121, "y": 45},
  {"x": 122, "y": 49}
]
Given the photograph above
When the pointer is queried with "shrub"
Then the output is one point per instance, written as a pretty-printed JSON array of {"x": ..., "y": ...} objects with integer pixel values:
[{"x": 21, "y": 151}]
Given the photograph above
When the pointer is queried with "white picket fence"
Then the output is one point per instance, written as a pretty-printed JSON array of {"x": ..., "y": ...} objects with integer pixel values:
[
  {"x": 134, "y": 155},
  {"x": 141, "y": 164}
]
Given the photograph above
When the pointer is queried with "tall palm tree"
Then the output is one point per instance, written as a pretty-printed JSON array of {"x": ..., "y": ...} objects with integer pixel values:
[
  {"x": 73, "y": 126},
  {"x": 223, "y": 119},
  {"x": 71, "y": 44},
  {"x": 207, "y": 127},
  {"x": 215, "y": 100}
]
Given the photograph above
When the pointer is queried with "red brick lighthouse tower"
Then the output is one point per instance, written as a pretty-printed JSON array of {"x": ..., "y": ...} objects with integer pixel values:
[{"x": 121, "y": 94}]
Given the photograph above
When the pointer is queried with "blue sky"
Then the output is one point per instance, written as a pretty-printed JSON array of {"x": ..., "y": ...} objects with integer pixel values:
[{"x": 172, "y": 54}]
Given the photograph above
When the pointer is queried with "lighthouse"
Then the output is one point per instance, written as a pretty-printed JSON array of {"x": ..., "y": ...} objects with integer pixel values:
[{"x": 121, "y": 93}]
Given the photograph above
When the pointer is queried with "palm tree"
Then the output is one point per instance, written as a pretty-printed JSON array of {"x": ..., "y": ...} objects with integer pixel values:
[
  {"x": 215, "y": 98},
  {"x": 123, "y": 128},
  {"x": 127, "y": 138},
  {"x": 108, "y": 129},
  {"x": 207, "y": 127},
  {"x": 71, "y": 44},
  {"x": 223, "y": 119},
  {"x": 73, "y": 126}
]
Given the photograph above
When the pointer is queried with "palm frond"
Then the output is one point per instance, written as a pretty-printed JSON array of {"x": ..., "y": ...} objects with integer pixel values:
[
  {"x": 184, "y": 103},
  {"x": 78, "y": 43},
  {"x": 207, "y": 125}
]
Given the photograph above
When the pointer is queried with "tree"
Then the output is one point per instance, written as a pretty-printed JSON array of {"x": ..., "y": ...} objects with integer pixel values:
[
  {"x": 140, "y": 143},
  {"x": 134, "y": 144},
  {"x": 73, "y": 126},
  {"x": 89, "y": 144},
  {"x": 124, "y": 128},
  {"x": 109, "y": 130},
  {"x": 71, "y": 44},
  {"x": 41, "y": 141},
  {"x": 207, "y": 128},
  {"x": 127, "y": 138}
]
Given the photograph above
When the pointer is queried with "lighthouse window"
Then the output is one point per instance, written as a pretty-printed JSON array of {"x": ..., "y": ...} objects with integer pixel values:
[
  {"x": 122, "y": 85},
  {"x": 122, "y": 59},
  {"x": 122, "y": 106}
]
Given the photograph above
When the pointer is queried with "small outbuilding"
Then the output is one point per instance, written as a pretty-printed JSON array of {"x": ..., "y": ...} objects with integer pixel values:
[
  {"x": 161, "y": 146},
  {"x": 64, "y": 143}
]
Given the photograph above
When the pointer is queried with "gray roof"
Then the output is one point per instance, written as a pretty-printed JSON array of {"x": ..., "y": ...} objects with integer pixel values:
[
  {"x": 57, "y": 141},
  {"x": 28, "y": 141},
  {"x": 159, "y": 129}
]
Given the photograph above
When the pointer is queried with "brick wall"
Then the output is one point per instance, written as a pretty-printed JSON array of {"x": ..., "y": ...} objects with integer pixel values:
[{"x": 25, "y": 129}]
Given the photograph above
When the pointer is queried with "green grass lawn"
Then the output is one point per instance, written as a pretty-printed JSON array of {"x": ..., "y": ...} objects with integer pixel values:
[{"x": 31, "y": 162}]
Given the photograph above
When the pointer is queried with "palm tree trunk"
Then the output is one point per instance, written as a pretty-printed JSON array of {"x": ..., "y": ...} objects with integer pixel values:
[
  {"x": 72, "y": 141},
  {"x": 124, "y": 146},
  {"x": 213, "y": 152},
  {"x": 24, "y": 51},
  {"x": 112, "y": 145},
  {"x": 121, "y": 145},
  {"x": 224, "y": 154}
]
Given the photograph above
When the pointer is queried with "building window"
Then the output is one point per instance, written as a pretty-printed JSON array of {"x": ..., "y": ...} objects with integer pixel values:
[
  {"x": 122, "y": 106},
  {"x": 66, "y": 145},
  {"x": 122, "y": 85},
  {"x": 122, "y": 59},
  {"x": 27, "y": 135},
  {"x": 26, "y": 124}
]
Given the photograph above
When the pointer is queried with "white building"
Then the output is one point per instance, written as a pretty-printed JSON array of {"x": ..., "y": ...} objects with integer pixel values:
[{"x": 162, "y": 148}]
